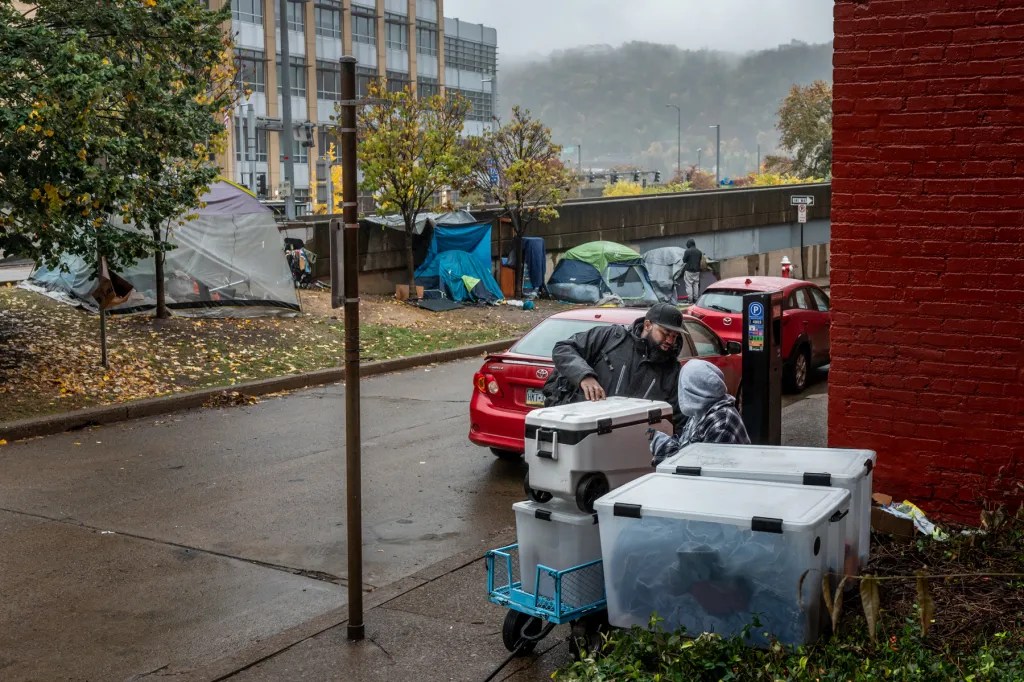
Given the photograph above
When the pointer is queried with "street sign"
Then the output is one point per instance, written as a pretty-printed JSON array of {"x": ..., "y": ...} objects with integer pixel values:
[
  {"x": 801, "y": 200},
  {"x": 492, "y": 173},
  {"x": 801, "y": 213}
]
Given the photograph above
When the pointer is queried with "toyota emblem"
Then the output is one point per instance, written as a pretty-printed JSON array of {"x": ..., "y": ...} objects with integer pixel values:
[
  {"x": 726, "y": 320},
  {"x": 542, "y": 373}
]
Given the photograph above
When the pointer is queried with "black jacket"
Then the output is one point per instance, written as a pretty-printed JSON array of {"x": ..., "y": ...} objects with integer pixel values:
[
  {"x": 691, "y": 259},
  {"x": 617, "y": 357}
]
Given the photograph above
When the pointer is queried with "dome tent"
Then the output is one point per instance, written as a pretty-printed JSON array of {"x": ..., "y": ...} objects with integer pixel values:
[
  {"x": 593, "y": 271},
  {"x": 227, "y": 262}
]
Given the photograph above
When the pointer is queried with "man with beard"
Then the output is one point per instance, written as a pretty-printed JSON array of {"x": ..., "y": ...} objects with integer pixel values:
[{"x": 640, "y": 360}]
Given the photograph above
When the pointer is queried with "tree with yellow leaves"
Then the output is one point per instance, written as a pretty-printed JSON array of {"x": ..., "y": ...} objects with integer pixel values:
[{"x": 410, "y": 149}]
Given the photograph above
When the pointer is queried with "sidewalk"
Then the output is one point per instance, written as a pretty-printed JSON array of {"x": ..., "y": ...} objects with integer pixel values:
[{"x": 438, "y": 624}]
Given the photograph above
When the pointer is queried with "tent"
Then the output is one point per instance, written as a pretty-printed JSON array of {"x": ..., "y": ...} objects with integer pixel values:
[
  {"x": 594, "y": 271},
  {"x": 227, "y": 262},
  {"x": 458, "y": 251},
  {"x": 665, "y": 266}
]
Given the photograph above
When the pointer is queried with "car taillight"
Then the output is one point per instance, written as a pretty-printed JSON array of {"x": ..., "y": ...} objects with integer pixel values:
[{"x": 486, "y": 383}]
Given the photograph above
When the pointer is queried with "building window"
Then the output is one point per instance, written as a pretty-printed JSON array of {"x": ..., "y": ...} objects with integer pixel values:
[
  {"x": 297, "y": 74},
  {"x": 296, "y": 16},
  {"x": 364, "y": 26},
  {"x": 427, "y": 87},
  {"x": 363, "y": 78},
  {"x": 251, "y": 70},
  {"x": 397, "y": 31},
  {"x": 300, "y": 154},
  {"x": 481, "y": 104},
  {"x": 469, "y": 56},
  {"x": 397, "y": 81},
  {"x": 328, "y": 18},
  {"x": 249, "y": 11},
  {"x": 324, "y": 140},
  {"x": 328, "y": 80},
  {"x": 261, "y": 146},
  {"x": 426, "y": 37}
]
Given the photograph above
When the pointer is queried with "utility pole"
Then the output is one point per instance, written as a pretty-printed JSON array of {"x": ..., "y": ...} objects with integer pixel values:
[
  {"x": 699, "y": 150},
  {"x": 287, "y": 134},
  {"x": 250, "y": 144},
  {"x": 353, "y": 443},
  {"x": 679, "y": 138},
  {"x": 718, "y": 154}
]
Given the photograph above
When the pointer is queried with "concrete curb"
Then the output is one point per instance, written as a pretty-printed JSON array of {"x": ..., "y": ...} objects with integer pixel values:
[{"x": 108, "y": 414}]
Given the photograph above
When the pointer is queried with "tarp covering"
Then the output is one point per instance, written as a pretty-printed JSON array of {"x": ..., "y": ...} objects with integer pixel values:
[
  {"x": 534, "y": 258},
  {"x": 474, "y": 239},
  {"x": 228, "y": 261},
  {"x": 576, "y": 281},
  {"x": 396, "y": 222},
  {"x": 665, "y": 267},
  {"x": 453, "y": 270},
  {"x": 600, "y": 254}
]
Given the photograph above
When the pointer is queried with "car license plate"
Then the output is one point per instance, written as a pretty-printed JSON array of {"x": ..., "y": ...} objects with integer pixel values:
[{"x": 534, "y": 397}]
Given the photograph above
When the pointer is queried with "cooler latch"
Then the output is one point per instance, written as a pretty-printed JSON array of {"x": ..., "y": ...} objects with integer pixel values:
[
  {"x": 631, "y": 511},
  {"x": 764, "y": 524},
  {"x": 546, "y": 441},
  {"x": 839, "y": 515},
  {"x": 604, "y": 426},
  {"x": 654, "y": 416},
  {"x": 817, "y": 479},
  {"x": 687, "y": 471}
]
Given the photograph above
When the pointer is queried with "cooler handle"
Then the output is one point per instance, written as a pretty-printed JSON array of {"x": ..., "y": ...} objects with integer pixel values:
[
  {"x": 839, "y": 515},
  {"x": 551, "y": 454}
]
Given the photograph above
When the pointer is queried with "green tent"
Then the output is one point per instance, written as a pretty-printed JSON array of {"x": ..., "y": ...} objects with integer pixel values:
[{"x": 600, "y": 254}]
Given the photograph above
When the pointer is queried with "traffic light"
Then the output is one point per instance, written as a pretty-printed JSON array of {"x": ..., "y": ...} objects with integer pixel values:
[
  {"x": 590, "y": 178},
  {"x": 261, "y": 185},
  {"x": 657, "y": 176},
  {"x": 636, "y": 176},
  {"x": 614, "y": 178}
]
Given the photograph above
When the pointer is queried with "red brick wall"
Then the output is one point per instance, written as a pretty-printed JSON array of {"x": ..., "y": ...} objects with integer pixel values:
[{"x": 927, "y": 267}]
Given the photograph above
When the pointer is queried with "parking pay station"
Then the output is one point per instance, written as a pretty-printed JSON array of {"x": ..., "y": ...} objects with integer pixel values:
[{"x": 762, "y": 367}]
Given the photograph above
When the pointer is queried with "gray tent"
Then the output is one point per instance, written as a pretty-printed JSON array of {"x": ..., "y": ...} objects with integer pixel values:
[
  {"x": 228, "y": 262},
  {"x": 665, "y": 267}
]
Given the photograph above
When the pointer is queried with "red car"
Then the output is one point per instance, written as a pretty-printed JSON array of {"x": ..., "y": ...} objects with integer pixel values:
[
  {"x": 805, "y": 320},
  {"x": 509, "y": 384}
]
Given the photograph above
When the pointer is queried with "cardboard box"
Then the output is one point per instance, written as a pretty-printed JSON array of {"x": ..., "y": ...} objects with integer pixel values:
[
  {"x": 884, "y": 522},
  {"x": 402, "y": 292}
]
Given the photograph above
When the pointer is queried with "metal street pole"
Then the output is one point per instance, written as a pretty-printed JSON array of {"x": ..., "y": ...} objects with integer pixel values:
[
  {"x": 250, "y": 144},
  {"x": 353, "y": 444},
  {"x": 758, "y": 171},
  {"x": 699, "y": 150},
  {"x": 287, "y": 134},
  {"x": 679, "y": 138},
  {"x": 718, "y": 154}
]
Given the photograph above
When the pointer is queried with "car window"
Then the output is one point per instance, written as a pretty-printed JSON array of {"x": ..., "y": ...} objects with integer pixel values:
[
  {"x": 820, "y": 299},
  {"x": 722, "y": 300},
  {"x": 541, "y": 339},
  {"x": 803, "y": 299},
  {"x": 704, "y": 340}
]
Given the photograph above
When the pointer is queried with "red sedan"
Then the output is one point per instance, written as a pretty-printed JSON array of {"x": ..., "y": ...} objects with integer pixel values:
[
  {"x": 805, "y": 320},
  {"x": 510, "y": 384}
]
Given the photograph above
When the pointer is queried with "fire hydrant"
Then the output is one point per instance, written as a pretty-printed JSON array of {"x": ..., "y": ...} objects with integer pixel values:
[{"x": 786, "y": 267}]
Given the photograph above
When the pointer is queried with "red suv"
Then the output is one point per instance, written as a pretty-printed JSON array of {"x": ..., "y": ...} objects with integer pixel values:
[
  {"x": 805, "y": 320},
  {"x": 509, "y": 384}
]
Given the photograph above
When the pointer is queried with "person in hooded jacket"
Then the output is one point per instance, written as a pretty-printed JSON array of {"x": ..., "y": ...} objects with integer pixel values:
[
  {"x": 711, "y": 412},
  {"x": 636, "y": 361}
]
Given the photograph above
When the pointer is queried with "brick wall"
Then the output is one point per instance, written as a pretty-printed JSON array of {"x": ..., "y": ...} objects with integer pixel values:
[{"x": 928, "y": 247}]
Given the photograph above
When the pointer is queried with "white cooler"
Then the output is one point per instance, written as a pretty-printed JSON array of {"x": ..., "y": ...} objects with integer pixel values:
[
  {"x": 710, "y": 553},
  {"x": 836, "y": 467},
  {"x": 582, "y": 450},
  {"x": 555, "y": 535}
]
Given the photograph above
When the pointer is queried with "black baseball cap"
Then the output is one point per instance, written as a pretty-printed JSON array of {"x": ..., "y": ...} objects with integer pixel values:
[{"x": 666, "y": 315}]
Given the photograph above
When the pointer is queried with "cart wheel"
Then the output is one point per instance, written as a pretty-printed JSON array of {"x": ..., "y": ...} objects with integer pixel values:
[
  {"x": 586, "y": 635},
  {"x": 590, "y": 487},
  {"x": 519, "y": 627},
  {"x": 540, "y": 496}
]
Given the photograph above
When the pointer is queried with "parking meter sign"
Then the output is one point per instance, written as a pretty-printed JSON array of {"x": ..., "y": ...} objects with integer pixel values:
[{"x": 801, "y": 213}]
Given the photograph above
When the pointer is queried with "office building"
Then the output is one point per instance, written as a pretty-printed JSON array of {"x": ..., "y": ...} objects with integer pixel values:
[{"x": 408, "y": 42}]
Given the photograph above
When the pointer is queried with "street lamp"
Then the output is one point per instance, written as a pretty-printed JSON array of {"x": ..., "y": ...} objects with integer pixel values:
[
  {"x": 679, "y": 137},
  {"x": 718, "y": 152},
  {"x": 494, "y": 118},
  {"x": 699, "y": 150}
]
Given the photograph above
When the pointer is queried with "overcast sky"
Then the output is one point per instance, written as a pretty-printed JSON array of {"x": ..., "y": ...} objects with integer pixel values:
[{"x": 529, "y": 28}]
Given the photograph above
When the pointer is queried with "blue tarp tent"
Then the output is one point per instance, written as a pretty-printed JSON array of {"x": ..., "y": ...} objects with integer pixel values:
[{"x": 455, "y": 251}]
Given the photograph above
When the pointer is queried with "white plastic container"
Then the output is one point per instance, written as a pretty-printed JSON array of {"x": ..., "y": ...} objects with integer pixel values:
[
  {"x": 579, "y": 451},
  {"x": 710, "y": 553},
  {"x": 558, "y": 536},
  {"x": 836, "y": 467}
]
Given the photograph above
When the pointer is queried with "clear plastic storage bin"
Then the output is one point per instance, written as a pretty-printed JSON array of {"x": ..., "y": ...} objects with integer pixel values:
[
  {"x": 582, "y": 450},
  {"x": 836, "y": 467},
  {"x": 555, "y": 535},
  {"x": 711, "y": 554}
]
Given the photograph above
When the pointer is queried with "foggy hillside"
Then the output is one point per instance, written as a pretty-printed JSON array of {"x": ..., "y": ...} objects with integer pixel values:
[{"x": 612, "y": 100}]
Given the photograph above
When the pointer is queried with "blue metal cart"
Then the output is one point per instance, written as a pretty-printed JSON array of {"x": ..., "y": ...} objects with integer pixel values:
[{"x": 574, "y": 595}]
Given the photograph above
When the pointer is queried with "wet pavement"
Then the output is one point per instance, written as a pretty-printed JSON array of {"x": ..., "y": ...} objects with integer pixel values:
[{"x": 169, "y": 541}]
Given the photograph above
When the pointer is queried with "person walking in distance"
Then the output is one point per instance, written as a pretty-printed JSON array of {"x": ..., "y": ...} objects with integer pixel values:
[{"x": 692, "y": 259}]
